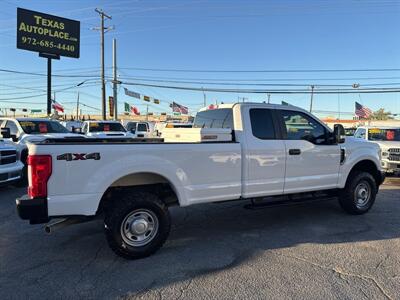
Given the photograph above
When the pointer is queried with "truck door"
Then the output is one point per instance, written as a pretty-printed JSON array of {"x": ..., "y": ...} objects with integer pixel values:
[
  {"x": 263, "y": 154},
  {"x": 312, "y": 157}
]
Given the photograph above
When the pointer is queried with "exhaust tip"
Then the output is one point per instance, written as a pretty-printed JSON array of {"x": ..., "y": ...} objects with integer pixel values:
[{"x": 47, "y": 229}]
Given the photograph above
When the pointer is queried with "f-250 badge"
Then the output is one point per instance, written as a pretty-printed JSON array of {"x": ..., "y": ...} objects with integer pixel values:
[{"x": 78, "y": 156}]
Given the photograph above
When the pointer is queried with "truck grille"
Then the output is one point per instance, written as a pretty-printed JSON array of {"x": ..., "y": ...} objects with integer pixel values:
[
  {"x": 8, "y": 157},
  {"x": 394, "y": 154}
]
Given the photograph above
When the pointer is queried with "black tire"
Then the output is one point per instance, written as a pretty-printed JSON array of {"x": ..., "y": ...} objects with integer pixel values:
[
  {"x": 359, "y": 194},
  {"x": 143, "y": 208},
  {"x": 23, "y": 181}
]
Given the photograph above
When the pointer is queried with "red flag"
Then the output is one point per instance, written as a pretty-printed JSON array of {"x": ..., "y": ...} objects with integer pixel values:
[
  {"x": 135, "y": 110},
  {"x": 58, "y": 107}
]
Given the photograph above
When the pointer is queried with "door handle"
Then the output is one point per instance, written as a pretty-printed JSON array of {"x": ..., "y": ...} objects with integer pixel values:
[{"x": 294, "y": 151}]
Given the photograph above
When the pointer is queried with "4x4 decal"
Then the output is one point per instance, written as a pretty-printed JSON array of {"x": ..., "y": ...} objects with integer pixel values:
[{"x": 78, "y": 156}]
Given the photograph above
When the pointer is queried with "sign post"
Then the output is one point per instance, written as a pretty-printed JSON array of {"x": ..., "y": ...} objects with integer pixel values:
[
  {"x": 49, "y": 35},
  {"x": 111, "y": 105}
]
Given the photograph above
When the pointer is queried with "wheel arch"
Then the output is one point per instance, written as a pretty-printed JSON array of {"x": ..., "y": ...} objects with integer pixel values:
[
  {"x": 369, "y": 166},
  {"x": 143, "y": 181}
]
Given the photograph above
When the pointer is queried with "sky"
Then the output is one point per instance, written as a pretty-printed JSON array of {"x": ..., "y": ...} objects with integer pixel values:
[{"x": 192, "y": 41}]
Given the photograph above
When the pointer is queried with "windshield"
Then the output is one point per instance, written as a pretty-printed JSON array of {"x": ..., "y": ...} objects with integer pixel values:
[
  {"x": 99, "y": 127},
  {"x": 349, "y": 131},
  {"x": 131, "y": 126},
  {"x": 42, "y": 127},
  {"x": 377, "y": 134},
  {"x": 142, "y": 127}
]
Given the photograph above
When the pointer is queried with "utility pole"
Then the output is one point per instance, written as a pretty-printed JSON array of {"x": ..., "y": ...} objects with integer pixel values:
[
  {"x": 49, "y": 87},
  {"x": 147, "y": 112},
  {"x": 204, "y": 98},
  {"x": 311, "y": 100},
  {"x": 269, "y": 98},
  {"x": 103, "y": 82},
  {"x": 77, "y": 108},
  {"x": 115, "y": 82}
]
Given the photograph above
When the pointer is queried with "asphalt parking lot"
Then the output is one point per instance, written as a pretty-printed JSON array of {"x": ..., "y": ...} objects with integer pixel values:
[{"x": 309, "y": 251}]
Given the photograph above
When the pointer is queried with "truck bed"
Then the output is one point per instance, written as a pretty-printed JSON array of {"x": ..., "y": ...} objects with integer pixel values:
[{"x": 83, "y": 169}]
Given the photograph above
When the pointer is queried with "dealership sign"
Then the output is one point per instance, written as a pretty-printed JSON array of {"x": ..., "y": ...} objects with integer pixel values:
[{"x": 47, "y": 34}]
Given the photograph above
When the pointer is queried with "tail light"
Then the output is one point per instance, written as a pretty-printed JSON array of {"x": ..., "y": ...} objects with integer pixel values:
[{"x": 39, "y": 169}]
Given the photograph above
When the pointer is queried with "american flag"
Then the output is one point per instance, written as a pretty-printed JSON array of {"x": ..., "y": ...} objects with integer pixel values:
[
  {"x": 362, "y": 111},
  {"x": 179, "y": 108}
]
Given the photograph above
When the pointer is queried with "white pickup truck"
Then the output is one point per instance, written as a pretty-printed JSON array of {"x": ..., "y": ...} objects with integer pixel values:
[
  {"x": 10, "y": 165},
  {"x": 388, "y": 139},
  {"x": 275, "y": 150}
]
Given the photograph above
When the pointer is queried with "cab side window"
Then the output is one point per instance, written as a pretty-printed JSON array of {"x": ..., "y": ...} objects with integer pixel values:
[
  {"x": 300, "y": 126},
  {"x": 13, "y": 128},
  {"x": 262, "y": 124},
  {"x": 84, "y": 128},
  {"x": 360, "y": 133}
]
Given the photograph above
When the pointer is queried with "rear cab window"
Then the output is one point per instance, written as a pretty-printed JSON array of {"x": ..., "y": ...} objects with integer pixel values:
[{"x": 215, "y": 118}]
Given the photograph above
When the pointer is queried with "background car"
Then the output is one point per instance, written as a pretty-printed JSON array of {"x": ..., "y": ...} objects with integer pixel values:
[
  {"x": 105, "y": 129},
  {"x": 10, "y": 164},
  {"x": 23, "y": 130},
  {"x": 141, "y": 129},
  {"x": 388, "y": 139}
]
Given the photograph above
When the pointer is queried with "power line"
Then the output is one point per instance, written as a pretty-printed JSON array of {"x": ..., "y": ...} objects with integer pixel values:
[
  {"x": 55, "y": 75},
  {"x": 271, "y": 91},
  {"x": 252, "y": 84},
  {"x": 265, "y": 79},
  {"x": 229, "y": 83},
  {"x": 266, "y": 71},
  {"x": 39, "y": 95}
]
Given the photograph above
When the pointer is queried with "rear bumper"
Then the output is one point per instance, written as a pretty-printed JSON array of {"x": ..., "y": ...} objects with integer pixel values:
[{"x": 34, "y": 210}]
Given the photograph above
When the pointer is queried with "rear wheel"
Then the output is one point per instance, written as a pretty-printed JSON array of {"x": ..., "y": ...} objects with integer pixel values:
[
  {"x": 359, "y": 194},
  {"x": 137, "y": 225}
]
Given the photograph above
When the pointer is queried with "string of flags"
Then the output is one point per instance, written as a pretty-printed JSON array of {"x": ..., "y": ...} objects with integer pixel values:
[
  {"x": 22, "y": 109},
  {"x": 176, "y": 108},
  {"x": 142, "y": 97}
]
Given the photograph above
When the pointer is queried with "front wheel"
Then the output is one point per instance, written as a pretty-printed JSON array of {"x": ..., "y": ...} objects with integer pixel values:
[
  {"x": 359, "y": 194},
  {"x": 137, "y": 225}
]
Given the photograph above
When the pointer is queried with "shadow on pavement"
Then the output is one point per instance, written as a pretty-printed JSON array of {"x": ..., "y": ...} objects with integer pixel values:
[{"x": 205, "y": 239}]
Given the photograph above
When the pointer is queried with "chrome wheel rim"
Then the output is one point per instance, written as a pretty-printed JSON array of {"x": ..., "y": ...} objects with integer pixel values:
[
  {"x": 139, "y": 227},
  {"x": 362, "y": 194}
]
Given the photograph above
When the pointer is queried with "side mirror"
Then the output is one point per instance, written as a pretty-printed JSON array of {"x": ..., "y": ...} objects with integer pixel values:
[
  {"x": 339, "y": 133},
  {"x": 5, "y": 133}
]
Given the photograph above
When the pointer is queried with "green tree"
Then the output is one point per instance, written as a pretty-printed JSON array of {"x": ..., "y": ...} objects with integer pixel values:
[{"x": 382, "y": 115}]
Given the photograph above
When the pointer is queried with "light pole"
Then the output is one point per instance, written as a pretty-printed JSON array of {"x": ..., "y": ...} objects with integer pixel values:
[
  {"x": 311, "y": 100},
  {"x": 77, "y": 99}
]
